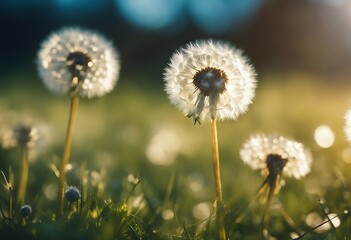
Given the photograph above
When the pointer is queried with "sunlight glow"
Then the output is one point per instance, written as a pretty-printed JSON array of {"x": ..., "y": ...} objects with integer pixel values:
[
  {"x": 167, "y": 214},
  {"x": 313, "y": 219},
  {"x": 196, "y": 182},
  {"x": 346, "y": 155},
  {"x": 324, "y": 136},
  {"x": 163, "y": 147},
  {"x": 202, "y": 210},
  {"x": 50, "y": 191}
]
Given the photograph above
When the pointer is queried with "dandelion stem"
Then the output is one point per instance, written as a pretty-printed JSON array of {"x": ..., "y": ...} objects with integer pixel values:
[
  {"x": 66, "y": 152},
  {"x": 289, "y": 220},
  {"x": 259, "y": 192},
  {"x": 218, "y": 185},
  {"x": 24, "y": 176},
  {"x": 272, "y": 182}
]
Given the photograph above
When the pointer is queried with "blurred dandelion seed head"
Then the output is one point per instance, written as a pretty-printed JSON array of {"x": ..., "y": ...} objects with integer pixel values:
[
  {"x": 20, "y": 131},
  {"x": 72, "y": 194},
  {"x": 260, "y": 151},
  {"x": 347, "y": 128},
  {"x": 21, "y": 135},
  {"x": 25, "y": 211},
  {"x": 78, "y": 60},
  {"x": 208, "y": 79}
]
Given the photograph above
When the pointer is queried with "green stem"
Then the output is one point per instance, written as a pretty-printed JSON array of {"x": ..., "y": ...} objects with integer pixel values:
[
  {"x": 24, "y": 177},
  {"x": 66, "y": 152},
  {"x": 219, "y": 207},
  {"x": 10, "y": 203}
]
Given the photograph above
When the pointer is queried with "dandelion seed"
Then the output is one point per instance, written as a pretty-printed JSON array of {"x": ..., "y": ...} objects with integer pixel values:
[
  {"x": 347, "y": 128},
  {"x": 273, "y": 154},
  {"x": 208, "y": 79},
  {"x": 79, "y": 61},
  {"x": 72, "y": 194},
  {"x": 25, "y": 211}
]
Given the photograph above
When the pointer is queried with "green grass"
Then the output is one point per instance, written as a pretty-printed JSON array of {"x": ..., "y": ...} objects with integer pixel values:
[{"x": 127, "y": 131}]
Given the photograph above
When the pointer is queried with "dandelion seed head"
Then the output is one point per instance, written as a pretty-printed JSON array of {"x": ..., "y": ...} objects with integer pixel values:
[
  {"x": 72, "y": 194},
  {"x": 25, "y": 211},
  {"x": 78, "y": 60},
  {"x": 21, "y": 135},
  {"x": 208, "y": 79},
  {"x": 347, "y": 128},
  {"x": 21, "y": 131},
  {"x": 270, "y": 153}
]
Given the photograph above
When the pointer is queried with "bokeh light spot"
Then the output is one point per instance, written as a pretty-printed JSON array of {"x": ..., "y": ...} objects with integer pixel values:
[
  {"x": 50, "y": 191},
  {"x": 151, "y": 14},
  {"x": 314, "y": 219},
  {"x": 167, "y": 214},
  {"x": 217, "y": 17},
  {"x": 324, "y": 136},
  {"x": 202, "y": 210},
  {"x": 163, "y": 147}
]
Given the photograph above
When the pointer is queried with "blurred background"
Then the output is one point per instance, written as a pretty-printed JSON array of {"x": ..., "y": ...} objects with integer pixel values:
[{"x": 301, "y": 50}]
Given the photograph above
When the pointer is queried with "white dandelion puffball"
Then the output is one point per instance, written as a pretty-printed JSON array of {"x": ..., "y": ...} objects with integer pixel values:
[
  {"x": 347, "y": 128},
  {"x": 263, "y": 152},
  {"x": 208, "y": 79},
  {"x": 80, "y": 61}
]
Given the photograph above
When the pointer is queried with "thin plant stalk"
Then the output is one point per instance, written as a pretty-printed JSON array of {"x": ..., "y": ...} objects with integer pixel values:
[
  {"x": 69, "y": 207},
  {"x": 289, "y": 220},
  {"x": 218, "y": 184},
  {"x": 24, "y": 176},
  {"x": 10, "y": 202},
  {"x": 272, "y": 183},
  {"x": 66, "y": 152},
  {"x": 9, "y": 187},
  {"x": 2, "y": 212},
  {"x": 258, "y": 193}
]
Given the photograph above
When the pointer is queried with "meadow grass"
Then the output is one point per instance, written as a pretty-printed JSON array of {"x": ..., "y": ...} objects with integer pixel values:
[{"x": 119, "y": 138}]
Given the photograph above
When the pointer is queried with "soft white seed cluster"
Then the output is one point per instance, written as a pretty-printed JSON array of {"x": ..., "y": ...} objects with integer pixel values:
[
  {"x": 255, "y": 151},
  {"x": 185, "y": 63},
  {"x": 347, "y": 128},
  {"x": 103, "y": 69}
]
